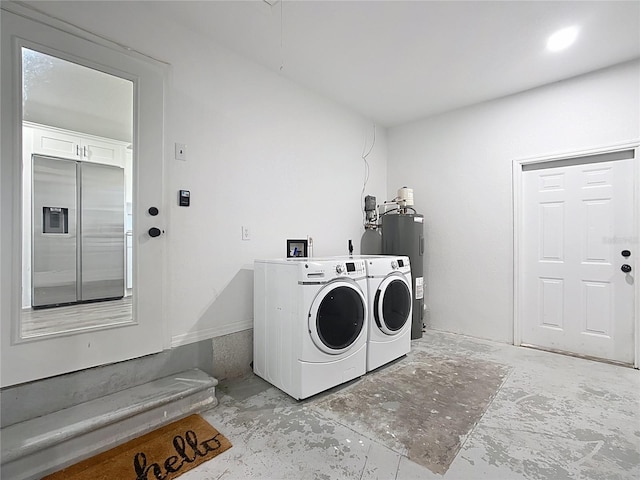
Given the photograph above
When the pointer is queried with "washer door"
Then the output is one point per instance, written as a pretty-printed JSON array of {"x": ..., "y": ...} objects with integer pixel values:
[
  {"x": 337, "y": 317},
  {"x": 392, "y": 305}
]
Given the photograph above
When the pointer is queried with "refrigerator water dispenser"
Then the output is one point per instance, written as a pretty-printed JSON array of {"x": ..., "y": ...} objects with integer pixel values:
[{"x": 55, "y": 220}]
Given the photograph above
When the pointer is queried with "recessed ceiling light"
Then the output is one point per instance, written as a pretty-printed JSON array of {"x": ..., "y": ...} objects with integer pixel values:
[{"x": 562, "y": 39}]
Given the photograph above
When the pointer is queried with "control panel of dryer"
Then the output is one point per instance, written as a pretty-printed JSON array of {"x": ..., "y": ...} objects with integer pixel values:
[
  {"x": 326, "y": 270},
  {"x": 355, "y": 268}
]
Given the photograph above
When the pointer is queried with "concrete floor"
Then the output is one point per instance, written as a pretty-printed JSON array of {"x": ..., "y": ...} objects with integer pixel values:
[{"x": 549, "y": 416}]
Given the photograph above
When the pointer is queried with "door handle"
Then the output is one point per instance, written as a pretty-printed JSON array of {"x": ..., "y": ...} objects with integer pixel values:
[
  {"x": 626, "y": 268},
  {"x": 154, "y": 232}
]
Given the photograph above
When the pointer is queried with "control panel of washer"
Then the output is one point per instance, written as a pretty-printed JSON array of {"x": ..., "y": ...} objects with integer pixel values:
[
  {"x": 321, "y": 270},
  {"x": 351, "y": 269}
]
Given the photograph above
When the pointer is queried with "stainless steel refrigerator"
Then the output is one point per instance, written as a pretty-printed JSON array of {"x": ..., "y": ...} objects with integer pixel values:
[{"x": 78, "y": 236}]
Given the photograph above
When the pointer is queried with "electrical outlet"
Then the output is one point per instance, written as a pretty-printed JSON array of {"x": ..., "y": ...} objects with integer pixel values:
[
  {"x": 181, "y": 152},
  {"x": 246, "y": 235}
]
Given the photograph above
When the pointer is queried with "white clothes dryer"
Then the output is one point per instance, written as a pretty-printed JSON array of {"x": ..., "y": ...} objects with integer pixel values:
[
  {"x": 390, "y": 308},
  {"x": 310, "y": 323}
]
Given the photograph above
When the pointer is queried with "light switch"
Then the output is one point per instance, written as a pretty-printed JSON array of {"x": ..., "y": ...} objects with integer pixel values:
[{"x": 181, "y": 151}]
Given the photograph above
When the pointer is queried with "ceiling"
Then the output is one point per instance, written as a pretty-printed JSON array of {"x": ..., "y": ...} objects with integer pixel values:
[
  {"x": 67, "y": 95},
  {"x": 399, "y": 61}
]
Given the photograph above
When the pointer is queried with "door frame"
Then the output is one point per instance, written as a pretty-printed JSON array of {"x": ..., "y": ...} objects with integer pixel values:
[
  {"x": 11, "y": 179},
  {"x": 518, "y": 234}
]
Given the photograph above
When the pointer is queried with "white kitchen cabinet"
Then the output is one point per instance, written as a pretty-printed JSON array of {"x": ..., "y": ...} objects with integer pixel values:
[
  {"x": 98, "y": 151},
  {"x": 129, "y": 262},
  {"x": 57, "y": 142},
  {"x": 128, "y": 176}
]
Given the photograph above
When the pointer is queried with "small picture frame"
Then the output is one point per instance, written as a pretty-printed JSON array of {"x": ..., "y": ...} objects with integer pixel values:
[{"x": 297, "y": 248}]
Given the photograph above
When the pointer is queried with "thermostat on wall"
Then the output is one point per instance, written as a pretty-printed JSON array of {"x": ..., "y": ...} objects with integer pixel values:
[{"x": 183, "y": 198}]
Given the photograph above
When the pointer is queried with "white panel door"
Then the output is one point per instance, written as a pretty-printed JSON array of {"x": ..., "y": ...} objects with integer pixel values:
[
  {"x": 577, "y": 220},
  {"x": 30, "y": 357}
]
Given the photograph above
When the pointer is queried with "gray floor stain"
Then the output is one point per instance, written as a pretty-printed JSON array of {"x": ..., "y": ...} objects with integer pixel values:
[
  {"x": 566, "y": 460},
  {"x": 426, "y": 403},
  {"x": 590, "y": 392},
  {"x": 553, "y": 417}
]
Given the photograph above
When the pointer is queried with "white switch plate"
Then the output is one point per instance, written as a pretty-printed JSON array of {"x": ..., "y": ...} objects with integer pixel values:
[
  {"x": 181, "y": 151},
  {"x": 246, "y": 235}
]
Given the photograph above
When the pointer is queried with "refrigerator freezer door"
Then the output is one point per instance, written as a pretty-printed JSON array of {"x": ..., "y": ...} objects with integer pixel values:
[
  {"x": 103, "y": 234},
  {"x": 54, "y": 213}
]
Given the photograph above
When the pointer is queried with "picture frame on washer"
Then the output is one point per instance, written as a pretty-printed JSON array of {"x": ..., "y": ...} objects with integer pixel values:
[{"x": 297, "y": 248}]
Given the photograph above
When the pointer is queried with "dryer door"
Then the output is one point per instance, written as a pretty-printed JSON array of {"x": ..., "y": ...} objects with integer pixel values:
[
  {"x": 392, "y": 304},
  {"x": 337, "y": 317}
]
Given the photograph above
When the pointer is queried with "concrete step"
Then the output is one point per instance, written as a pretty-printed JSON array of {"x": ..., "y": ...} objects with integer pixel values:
[
  {"x": 41, "y": 397},
  {"x": 39, "y": 446}
]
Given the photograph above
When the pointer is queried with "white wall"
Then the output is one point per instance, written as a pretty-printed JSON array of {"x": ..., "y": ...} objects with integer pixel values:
[
  {"x": 460, "y": 165},
  {"x": 261, "y": 152},
  {"x": 265, "y": 154}
]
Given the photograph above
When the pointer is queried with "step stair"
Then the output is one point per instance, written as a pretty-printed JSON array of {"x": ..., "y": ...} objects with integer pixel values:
[{"x": 42, "y": 445}]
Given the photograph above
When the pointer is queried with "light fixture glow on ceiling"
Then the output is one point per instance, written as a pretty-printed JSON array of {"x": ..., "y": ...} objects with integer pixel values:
[{"x": 562, "y": 39}]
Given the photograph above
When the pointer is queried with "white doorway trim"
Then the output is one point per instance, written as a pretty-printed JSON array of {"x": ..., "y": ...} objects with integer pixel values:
[
  {"x": 149, "y": 331},
  {"x": 517, "y": 169}
]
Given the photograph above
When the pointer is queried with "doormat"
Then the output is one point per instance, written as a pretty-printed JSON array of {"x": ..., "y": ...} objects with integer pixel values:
[
  {"x": 423, "y": 406},
  {"x": 163, "y": 454}
]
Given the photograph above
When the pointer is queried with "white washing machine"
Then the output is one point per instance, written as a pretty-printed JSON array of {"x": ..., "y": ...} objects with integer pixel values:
[
  {"x": 310, "y": 323},
  {"x": 390, "y": 304}
]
